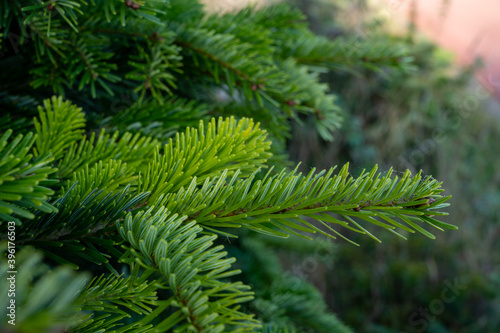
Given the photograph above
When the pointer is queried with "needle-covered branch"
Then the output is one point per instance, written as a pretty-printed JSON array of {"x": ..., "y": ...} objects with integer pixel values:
[
  {"x": 23, "y": 179},
  {"x": 281, "y": 201},
  {"x": 192, "y": 268},
  {"x": 226, "y": 144}
]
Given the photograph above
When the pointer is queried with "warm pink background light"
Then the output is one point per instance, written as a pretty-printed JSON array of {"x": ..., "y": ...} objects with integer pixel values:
[{"x": 469, "y": 28}]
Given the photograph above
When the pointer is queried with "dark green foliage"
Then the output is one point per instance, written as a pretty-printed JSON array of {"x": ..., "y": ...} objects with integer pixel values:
[
  {"x": 152, "y": 155},
  {"x": 23, "y": 178},
  {"x": 277, "y": 76}
]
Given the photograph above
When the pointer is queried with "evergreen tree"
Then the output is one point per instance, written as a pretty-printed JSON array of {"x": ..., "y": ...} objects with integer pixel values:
[{"x": 127, "y": 148}]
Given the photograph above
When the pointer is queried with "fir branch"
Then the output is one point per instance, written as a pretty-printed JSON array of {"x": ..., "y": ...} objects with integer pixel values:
[
  {"x": 23, "y": 180},
  {"x": 161, "y": 122},
  {"x": 77, "y": 214},
  {"x": 67, "y": 10},
  {"x": 116, "y": 297},
  {"x": 83, "y": 227},
  {"x": 192, "y": 267},
  {"x": 220, "y": 54},
  {"x": 279, "y": 201},
  {"x": 108, "y": 176},
  {"x": 60, "y": 131},
  {"x": 227, "y": 144},
  {"x": 153, "y": 68},
  {"x": 95, "y": 60},
  {"x": 135, "y": 150},
  {"x": 225, "y": 64},
  {"x": 61, "y": 124},
  {"x": 280, "y": 16},
  {"x": 282, "y": 84},
  {"x": 345, "y": 54}
]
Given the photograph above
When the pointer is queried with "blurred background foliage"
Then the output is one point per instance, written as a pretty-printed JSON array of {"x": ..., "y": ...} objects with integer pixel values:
[{"x": 434, "y": 119}]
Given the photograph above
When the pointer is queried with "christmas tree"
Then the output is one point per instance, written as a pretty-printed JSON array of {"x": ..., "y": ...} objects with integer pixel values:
[{"x": 137, "y": 138}]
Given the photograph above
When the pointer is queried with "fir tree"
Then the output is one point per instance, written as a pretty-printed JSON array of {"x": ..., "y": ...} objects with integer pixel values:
[{"x": 128, "y": 146}]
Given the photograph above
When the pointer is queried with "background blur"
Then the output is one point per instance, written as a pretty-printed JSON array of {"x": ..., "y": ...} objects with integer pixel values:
[{"x": 443, "y": 118}]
